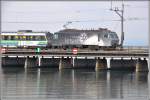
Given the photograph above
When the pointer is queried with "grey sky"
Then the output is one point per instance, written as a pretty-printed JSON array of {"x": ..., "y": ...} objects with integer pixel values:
[{"x": 51, "y": 16}]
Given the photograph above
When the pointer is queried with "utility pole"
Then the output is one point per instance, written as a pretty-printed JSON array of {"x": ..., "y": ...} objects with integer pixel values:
[{"x": 121, "y": 14}]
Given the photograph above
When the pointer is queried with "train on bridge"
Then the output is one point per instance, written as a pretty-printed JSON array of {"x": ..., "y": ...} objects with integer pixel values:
[{"x": 66, "y": 38}]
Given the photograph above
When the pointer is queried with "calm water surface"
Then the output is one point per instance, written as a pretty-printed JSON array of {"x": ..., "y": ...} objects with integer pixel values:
[{"x": 46, "y": 83}]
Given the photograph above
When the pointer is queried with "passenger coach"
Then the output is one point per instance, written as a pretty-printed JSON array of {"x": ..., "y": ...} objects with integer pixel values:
[{"x": 25, "y": 38}]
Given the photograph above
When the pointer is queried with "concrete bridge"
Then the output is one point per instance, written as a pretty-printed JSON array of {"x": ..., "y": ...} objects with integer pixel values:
[{"x": 126, "y": 58}]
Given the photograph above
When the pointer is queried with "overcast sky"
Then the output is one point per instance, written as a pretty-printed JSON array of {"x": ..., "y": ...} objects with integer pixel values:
[{"x": 51, "y": 16}]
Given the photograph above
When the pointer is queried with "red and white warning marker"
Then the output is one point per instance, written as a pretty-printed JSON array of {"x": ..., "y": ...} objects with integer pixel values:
[
  {"x": 3, "y": 50},
  {"x": 74, "y": 50}
]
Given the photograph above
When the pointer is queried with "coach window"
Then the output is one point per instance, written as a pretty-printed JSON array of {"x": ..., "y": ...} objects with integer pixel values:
[
  {"x": 27, "y": 37},
  {"x": 6, "y": 37},
  {"x": 42, "y": 38},
  {"x": 34, "y": 38},
  {"x": 12, "y": 37},
  {"x": 37, "y": 38},
  {"x": 16, "y": 38},
  {"x": 24, "y": 37},
  {"x": 31, "y": 38},
  {"x": 20, "y": 37}
]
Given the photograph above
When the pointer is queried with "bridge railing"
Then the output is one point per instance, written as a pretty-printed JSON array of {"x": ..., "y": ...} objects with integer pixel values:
[
  {"x": 125, "y": 49},
  {"x": 137, "y": 49}
]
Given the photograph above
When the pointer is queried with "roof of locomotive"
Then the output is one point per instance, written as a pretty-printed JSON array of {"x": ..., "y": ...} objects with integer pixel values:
[{"x": 81, "y": 30}]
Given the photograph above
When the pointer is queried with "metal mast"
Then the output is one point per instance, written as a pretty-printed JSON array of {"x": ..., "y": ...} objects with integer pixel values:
[{"x": 121, "y": 14}]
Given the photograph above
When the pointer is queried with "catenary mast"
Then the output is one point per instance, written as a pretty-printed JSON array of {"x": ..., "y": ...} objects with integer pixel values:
[{"x": 121, "y": 15}]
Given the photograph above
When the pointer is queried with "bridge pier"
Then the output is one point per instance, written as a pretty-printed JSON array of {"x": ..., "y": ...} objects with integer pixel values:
[
  {"x": 50, "y": 62},
  {"x": 65, "y": 63},
  {"x": 101, "y": 64},
  {"x": 122, "y": 64},
  {"x": 84, "y": 63},
  {"x": 31, "y": 62},
  {"x": 141, "y": 65},
  {"x": 13, "y": 61}
]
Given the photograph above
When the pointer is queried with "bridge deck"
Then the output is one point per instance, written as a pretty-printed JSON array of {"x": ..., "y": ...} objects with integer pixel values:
[{"x": 125, "y": 52}]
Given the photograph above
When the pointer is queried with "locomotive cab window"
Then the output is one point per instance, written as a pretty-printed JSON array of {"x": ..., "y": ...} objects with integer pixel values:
[
  {"x": 111, "y": 35},
  {"x": 106, "y": 36},
  {"x": 115, "y": 36}
]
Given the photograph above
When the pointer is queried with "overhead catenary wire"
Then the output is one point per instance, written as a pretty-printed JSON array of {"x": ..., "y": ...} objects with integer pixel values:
[{"x": 49, "y": 22}]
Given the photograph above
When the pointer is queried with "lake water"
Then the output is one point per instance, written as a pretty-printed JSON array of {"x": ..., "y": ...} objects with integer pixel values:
[{"x": 49, "y": 83}]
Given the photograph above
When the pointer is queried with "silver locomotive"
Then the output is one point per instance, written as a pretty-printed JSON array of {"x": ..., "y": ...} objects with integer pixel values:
[{"x": 85, "y": 38}]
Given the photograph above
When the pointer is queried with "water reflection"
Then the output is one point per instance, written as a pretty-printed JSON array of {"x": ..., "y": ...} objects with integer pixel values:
[{"x": 72, "y": 84}]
